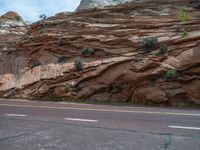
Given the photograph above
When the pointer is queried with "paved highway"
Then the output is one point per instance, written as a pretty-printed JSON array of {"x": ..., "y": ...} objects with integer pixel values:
[{"x": 33, "y": 125}]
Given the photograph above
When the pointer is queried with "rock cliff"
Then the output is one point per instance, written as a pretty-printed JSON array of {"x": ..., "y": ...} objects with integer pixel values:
[
  {"x": 12, "y": 28},
  {"x": 136, "y": 52},
  {"x": 86, "y": 4}
]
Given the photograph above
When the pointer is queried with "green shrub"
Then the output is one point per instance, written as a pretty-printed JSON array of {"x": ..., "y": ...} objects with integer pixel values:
[
  {"x": 62, "y": 59},
  {"x": 78, "y": 64},
  {"x": 18, "y": 18},
  {"x": 184, "y": 16},
  {"x": 87, "y": 51},
  {"x": 185, "y": 33},
  {"x": 163, "y": 48},
  {"x": 149, "y": 44},
  {"x": 171, "y": 75}
]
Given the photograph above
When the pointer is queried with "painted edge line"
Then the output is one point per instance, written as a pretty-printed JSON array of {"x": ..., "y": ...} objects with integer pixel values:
[
  {"x": 183, "y": 127},
  {"x": 82, "y": 120},
  {"x": 15, "y": 115},
  {"x": 103, "y": 110}
]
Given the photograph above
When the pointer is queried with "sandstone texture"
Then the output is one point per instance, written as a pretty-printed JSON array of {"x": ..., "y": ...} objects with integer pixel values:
[
  {"x": 12, "y": 28},
  {"x": 87, "y": 4},
  {"x": 39, "y": 63}
]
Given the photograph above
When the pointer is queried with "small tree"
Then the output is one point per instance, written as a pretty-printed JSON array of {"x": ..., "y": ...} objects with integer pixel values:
[
  {"x": 42, "y": 24},
  {"x": 43, "y": 17}
]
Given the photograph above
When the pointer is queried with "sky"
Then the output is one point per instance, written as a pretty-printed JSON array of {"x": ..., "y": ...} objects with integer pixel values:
[{"x": 30, "y": 10}]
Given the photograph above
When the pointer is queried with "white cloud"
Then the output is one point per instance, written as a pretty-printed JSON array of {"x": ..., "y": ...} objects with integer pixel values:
[{"x": 31, "y": 9}]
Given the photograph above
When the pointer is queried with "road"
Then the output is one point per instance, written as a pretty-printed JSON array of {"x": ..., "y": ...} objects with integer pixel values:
[{"x": 33, "y": 125}]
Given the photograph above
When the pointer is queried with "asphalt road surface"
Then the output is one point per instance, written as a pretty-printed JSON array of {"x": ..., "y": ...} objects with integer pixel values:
[{"x": 31, "y": 125}]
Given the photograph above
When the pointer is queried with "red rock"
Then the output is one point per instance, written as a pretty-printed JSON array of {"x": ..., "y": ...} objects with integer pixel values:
[{"x": 40, "y": 63}]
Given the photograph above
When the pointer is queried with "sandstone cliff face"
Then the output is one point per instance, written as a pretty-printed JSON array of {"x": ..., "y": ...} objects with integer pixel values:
[
  {"x": 12, "y": 28},
  {"x": 86, "y": 4},
  {"x": 116, "y": 68}
]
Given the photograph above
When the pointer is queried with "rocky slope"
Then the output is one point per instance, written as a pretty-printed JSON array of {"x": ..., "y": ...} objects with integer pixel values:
[
  {"x": 87, "y": 4},
  {"x": 117, "y": 64}
]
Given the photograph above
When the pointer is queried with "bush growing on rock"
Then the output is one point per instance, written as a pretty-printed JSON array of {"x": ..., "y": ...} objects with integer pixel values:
[
  {"x": 185, "y": 33},
  {"x": 62, "y": 59},
  {"x": 182, "y": 31},
  {"x": 87, "y": 51},
  {"x": 171, "y": 75},
  {"x": 18, "y": 18},
  {"x": 42, "y": 24},
  {"x": 149, "y": 44},
  {"x": 184, "y": 16},
  {"x": 163, "y": 48},
  {"x": 78, "y": 64},
  {"x": 179, "y": 29},
  {"x": 43, "y": 17}
]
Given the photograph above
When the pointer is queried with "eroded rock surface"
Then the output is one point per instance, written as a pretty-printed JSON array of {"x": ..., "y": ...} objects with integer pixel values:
[
  {"x": 41, "y": 63},
  {"x": 87, "y": 4},
  {"x": 12, "y": 28}
]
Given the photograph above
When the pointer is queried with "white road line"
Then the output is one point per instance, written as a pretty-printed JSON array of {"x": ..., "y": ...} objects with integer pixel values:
[
  {"x": 182, "y": 127},
  {"x": 83, "y": 120},
  {"x": 15, "y": 115}
]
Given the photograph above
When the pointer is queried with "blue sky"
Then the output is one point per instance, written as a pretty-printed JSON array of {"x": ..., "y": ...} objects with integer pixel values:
[{"x": 31, "y": 9}]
